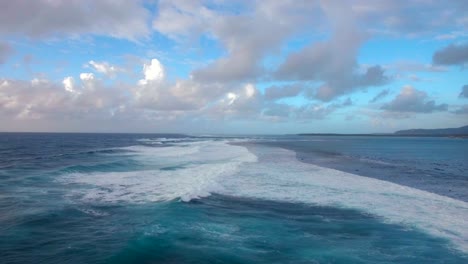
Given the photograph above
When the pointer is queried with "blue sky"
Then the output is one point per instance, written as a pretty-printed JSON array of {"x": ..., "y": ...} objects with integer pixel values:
[{"x": 219, "y": 66}]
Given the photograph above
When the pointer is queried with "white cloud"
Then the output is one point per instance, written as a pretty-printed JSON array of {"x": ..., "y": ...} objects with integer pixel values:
[
  {"x": 86, "y": 76},
  {"x": 250, "y": 90},
  {"x": 68, "y": 84},
  {"x": 247, "y": 36},
  {"x": 182, "y": 18},
  {"x": 105, "y": 68},
  {"x": 258, "y": 45},
  {"x": 153, "y": 72},
  {"x": 44, "y": 99}
]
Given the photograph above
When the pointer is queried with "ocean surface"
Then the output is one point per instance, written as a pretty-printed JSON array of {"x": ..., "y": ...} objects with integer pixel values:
[{"x": 154, "y": 198}]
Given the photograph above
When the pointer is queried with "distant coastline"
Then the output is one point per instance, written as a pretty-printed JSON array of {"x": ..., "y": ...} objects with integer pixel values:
[{"x": 460, "y": 132}]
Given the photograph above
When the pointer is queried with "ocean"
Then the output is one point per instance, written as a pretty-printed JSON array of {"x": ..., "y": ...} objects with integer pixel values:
[{"x": 167, "y": 198}]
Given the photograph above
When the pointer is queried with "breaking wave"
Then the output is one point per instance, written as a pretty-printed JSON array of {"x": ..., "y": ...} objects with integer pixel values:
[{"x": 198, "y": 169}]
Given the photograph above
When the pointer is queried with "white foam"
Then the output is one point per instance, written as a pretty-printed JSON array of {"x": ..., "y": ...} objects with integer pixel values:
[
  {"x": 215, "y": 166},
  {"x": 281, "y": 177},
  {"x": 171, "y": 151},
  {"x": 375, "y": 161},
  {"x": 199, "y": 178},
  {"x": 92, "y": 212},
  {"x": 163, "y": 140}
]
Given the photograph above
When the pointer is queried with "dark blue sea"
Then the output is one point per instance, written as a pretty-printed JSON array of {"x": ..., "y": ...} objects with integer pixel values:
[{"x": 154, "y": 198}]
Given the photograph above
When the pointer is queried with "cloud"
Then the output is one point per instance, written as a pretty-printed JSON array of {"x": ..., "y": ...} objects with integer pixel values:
[
  {"x": 163, "y": 96},
  {"x": 42, "y": 99},
  {"x": 348, "y": 102},
  {"x": 339, "y": 84},
  {"x": 332, "y": 62},
  {"x": 462, "y": 110},
  {"x": 246, "y": 36},
  {"x": 45, "y": 18},
  {"x": 89, "y": 98},
  {"x": 311, "y": 111},
  {"x": 250, "y": 31},
  {"x": 284, "y": 112},
  {"x": 451, "y": 35},
  {"x": 277, "y": 111},
  {"x": 410, "y": 18},
  {"x": 314, "y": 111},
  {"x": 243, "y": 102},
  {"x": 182, "y": 18},
  {"x": 5, "y": 51},
  {"x": 153, "y": 71},
  {"x": 453, "y": 54},
  {"x": 464, "y": 91},
  {"x": 411, "y": 100},
  {"x": 105, "y": 68},
  {"x": 374, "y": 76},
  {"x": 69, "y": 84},
  {"x": 302, "y": 49},
  {"x": 86, "y": 76},
  {"x": 278, "y": 92},
  {"x": 156, "y": 93},
  {"x": 379, "y": 96},
  {"x": 414, "y": 66}
]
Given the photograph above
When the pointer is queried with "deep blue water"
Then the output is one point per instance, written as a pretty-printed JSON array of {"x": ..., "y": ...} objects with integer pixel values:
[{"x": 129, "y": 198}]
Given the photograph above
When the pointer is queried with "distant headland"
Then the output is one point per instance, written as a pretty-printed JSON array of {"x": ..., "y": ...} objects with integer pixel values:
[{"x": 460, "y": 132}]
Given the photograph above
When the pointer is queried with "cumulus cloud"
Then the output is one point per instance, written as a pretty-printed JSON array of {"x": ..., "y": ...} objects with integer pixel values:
[
  {"x": 411, "y": 100},
  {"x": 464, "y": 91},
  {"x": 332, "y": 61},
  {"x": 453, "y": 54},
  {"x": 69, "y": 84},
  {"x": 156, "y": 93},
  {"x": 153, "y": 72},
  {"x": 86, "y": 76},
  {"x": 45, "y": 18},
  {"x": 259, "y": 28},
  {"x": 258, "y": 42},
  {"x": 160, "y": 96},
  {"x": 5, "y": 51},
  {"x": 41, "y": 99},
  {"x": 241, "y": 102}
]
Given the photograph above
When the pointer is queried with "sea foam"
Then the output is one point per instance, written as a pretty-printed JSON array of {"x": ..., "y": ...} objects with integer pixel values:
[
  {"x": 280, "y": 176},
  {"x": 274, "y": 174},
  {"x": 202, "y": 166}
]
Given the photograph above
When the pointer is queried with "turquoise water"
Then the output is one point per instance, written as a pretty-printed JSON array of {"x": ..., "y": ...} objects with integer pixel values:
[{"x": 88, "y": 198}]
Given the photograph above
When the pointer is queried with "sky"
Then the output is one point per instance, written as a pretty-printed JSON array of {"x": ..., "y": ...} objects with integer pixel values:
[{"x": 233, "y": 66}]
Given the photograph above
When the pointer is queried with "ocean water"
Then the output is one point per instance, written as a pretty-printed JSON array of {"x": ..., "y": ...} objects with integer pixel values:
[{"x": 153, "y": 198}]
